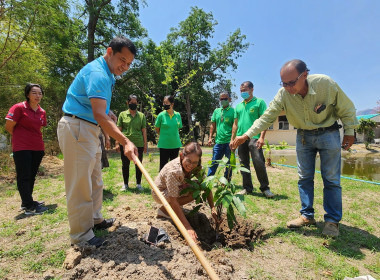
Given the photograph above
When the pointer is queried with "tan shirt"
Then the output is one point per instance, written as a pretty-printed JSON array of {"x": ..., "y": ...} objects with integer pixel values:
[
  {"x": 170, "y": 178},
  {"x": 300, "y": 112}
]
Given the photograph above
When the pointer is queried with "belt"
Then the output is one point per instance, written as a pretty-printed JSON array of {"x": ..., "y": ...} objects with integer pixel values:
[
  {"x": 75, "y": 117},
  {"x": 335, "y": 126}
]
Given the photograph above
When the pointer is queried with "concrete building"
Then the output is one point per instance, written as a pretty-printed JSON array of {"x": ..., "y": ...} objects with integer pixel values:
[
  {"x": 281, "y": 130},
  {"x": 376, "y": 119}
]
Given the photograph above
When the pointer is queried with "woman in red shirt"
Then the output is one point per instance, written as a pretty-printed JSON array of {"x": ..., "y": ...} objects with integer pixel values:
[{"x": 24, "y": 122}]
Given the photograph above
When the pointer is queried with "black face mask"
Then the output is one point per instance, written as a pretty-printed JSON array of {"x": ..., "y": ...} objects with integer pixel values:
[
  {"x": 132, "y": 106},
  {"x": 166, "y": 107}
]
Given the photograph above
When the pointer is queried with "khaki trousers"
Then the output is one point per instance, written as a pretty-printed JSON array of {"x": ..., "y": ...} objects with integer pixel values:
[{"x": 80, "y": 145}]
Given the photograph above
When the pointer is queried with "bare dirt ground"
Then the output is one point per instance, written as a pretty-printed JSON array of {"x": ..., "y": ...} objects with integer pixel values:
[
  {"x": 247, "y": 254},
  {"x": 127, "y": 256}
]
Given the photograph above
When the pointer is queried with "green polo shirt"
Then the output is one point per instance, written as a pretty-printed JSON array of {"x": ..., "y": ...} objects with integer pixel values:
[
  {"x": 300, "y": 111},
  {"x": 169, "y": 130},
  {"x": 224, "y": 119},
  {"x": 131, "y": 126},
  {"x": 247, "y": 113}
]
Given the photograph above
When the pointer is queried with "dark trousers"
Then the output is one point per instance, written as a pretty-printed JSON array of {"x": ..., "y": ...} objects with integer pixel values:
[
  {"x": 249, "y": 147},
  {"x": 27, "y": 163},
  {"x": 125, "y": 165},
  {"x": 167, "y": 155}
]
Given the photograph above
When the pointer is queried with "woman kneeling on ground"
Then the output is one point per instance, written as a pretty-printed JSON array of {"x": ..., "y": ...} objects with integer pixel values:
[{"x": 171, "y": 181}]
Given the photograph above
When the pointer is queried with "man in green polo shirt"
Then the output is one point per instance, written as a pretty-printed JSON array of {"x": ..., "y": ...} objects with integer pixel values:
[
  {"x": 246, "y": 112},
  {"x": 221, "y": 122},
  {"x": 313, "y": 104}
]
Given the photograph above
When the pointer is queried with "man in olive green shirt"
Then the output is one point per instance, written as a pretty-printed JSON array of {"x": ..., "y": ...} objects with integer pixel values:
[
  {"x": 313, "y": 104},
  {"x": 246, "y": 112},
  {"x": 221, "y": 122}
]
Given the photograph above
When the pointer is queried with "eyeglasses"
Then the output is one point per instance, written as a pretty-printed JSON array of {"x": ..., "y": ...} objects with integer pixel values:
[
  {"x": 291, "y": 83},
  {"x": 188, "y": 161},
  {"x": 223, "y": 99}
]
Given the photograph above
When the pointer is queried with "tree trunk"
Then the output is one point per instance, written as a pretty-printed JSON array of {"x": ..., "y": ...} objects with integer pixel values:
[
  {"x": 203, "y": 131},
  {"x": 188, "y": 112},
  {"x": 91, "y": 32}
]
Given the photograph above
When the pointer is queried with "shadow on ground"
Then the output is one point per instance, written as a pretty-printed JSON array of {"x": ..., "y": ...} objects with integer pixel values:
[
  {"x": 51, "y": 210},
  {"x": 349, "y": 243}
]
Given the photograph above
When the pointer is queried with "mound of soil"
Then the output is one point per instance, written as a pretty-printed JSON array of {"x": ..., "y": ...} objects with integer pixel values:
[
  {"x": 243, "y": 235},
  {"x": 127, "y": 257}
]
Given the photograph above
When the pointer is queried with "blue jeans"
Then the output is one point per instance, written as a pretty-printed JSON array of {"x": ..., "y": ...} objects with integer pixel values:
[
  {"x": 327, "y": 143},
  {"x": 218, "y": 152}
]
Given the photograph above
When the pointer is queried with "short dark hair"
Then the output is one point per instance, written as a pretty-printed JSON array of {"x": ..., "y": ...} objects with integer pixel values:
[
  {"x": 119, "y": 42},
  {"x": 132, "y": 96},
  {"x": 29, "y": 87},
  {"x": 249, "y": 84},
  {"x": 170, "y": 98},
  {"x": 225, "y": 92},
  {"x": 298, "y": 64}
]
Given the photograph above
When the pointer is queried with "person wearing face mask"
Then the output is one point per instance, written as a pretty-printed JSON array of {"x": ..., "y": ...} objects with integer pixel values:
[
  {"x": 246, "y": 112},
  {"x": 221, "y": 122},
  {"x": 172, "y": 180},
  {"x": 132, "y": 124},
  {"x": 168, "y": 124}
]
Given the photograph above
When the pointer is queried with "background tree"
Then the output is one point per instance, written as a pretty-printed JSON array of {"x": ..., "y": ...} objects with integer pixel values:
[
  {"x": 197, "y": 66},
  {"x": 39, "y": 46},
  {"x": 105, "y": 20},
  {"x": 366, "y": 128}
]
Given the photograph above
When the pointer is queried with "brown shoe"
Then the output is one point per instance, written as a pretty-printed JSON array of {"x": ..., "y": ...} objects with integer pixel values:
[
  {"x": 331, "y": 229},
  {"x": 300, "y": 222}
]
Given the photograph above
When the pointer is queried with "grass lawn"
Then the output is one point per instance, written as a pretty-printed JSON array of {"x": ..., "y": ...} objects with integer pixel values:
[{"x": 30, "y": 246}]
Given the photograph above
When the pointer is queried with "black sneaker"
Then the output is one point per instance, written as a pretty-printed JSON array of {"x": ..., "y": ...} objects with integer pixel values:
[
  {"x": 35, "y": 203},
  {"x": 106, "y": 223},
  {"x": 36, "y": 210},
  {"x": 97, "y": 241}
]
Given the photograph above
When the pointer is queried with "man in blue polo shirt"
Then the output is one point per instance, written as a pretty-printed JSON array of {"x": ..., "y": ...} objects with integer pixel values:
[{"x": 86, "y": 109}]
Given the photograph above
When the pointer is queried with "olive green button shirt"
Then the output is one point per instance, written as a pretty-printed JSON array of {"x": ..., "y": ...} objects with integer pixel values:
[
  {"x": 300, "y": 112},
  {"x": 169, "y": 130},
  {"x": 224, "y": 119},
  {"x": 247, "y": 113},
  {"x": 131, "y": 126}
]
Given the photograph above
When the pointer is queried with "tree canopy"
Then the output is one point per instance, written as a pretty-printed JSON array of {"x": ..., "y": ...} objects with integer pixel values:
[{"x": 49, "y": 41}]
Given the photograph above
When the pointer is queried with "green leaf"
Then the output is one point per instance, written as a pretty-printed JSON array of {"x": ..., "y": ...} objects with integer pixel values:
[
  {"x": 223, "y": 180},
  {"x": 239, "y": 205},
  {"x": 230, "y": 217},
  {"x": 198, "y": 200},
  {"x": 233, "y": 188},
  {"x": 185, "y": 191},
  {"x": 225, "y": 160},
  {"x": 195, "y": 210},
  {"x": 208, "y": 179},
  {"x": 196, "y": 194},
  {"x": 205, "y": 194},
  {"x": 227, "y": 200},
  {"x": 243, "y": 169}
]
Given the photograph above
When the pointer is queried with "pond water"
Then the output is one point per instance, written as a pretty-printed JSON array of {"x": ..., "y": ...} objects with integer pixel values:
[{"x": 366, "y": 167}]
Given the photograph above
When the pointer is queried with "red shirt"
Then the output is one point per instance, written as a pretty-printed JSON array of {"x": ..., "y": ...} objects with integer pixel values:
[{"x": 27, "y": 133}]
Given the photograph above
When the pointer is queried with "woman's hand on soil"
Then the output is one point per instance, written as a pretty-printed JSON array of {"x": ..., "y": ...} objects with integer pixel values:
[{"x": 193, "y": 235}]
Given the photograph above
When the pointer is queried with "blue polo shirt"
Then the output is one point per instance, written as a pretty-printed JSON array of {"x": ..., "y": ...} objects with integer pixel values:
[{"x": 94, "y": 80}]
